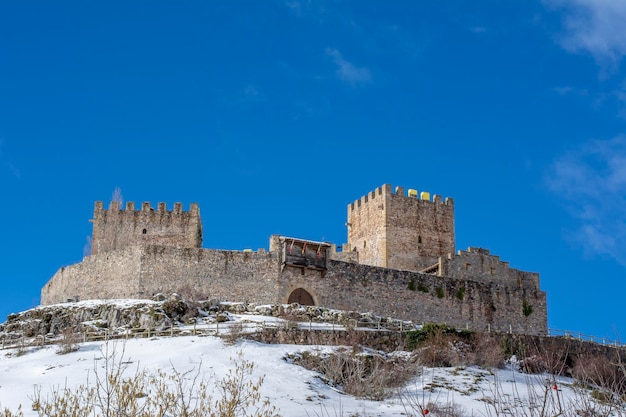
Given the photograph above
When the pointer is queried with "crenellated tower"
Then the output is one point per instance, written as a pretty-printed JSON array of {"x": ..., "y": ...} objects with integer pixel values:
[
  {"x": 116, "y": 228},
  {"x": 401, "y": 231}
]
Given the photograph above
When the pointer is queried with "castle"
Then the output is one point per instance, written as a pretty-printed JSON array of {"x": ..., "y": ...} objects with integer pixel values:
[{"x": 399, "y": 261}]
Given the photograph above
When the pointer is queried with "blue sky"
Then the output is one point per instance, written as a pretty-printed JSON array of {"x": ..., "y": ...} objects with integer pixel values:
[{"x": 275, "y": 115}]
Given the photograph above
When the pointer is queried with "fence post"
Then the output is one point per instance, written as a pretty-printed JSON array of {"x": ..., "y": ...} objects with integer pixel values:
[
  {"x": 488, "y": 327},
  {"x": 217, "y": 327},
  {"x": 194, "y": 328}
]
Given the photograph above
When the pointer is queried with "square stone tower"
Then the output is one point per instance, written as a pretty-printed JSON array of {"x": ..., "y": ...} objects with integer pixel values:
[
  {"x": 116, "y": 229},
  {"x": 398, "y": 231}
]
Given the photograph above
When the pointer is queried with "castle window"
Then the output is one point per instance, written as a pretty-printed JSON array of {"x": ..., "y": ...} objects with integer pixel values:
[
  {"x": 419, "y": 239},
  {"x": 467, "y": 265},
  {"x": 144, "y": 231},
  {"x": 364, "y": 243}
]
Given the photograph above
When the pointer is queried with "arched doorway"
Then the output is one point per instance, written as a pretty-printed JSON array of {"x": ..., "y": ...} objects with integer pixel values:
[{"x": 301, "y": 296}]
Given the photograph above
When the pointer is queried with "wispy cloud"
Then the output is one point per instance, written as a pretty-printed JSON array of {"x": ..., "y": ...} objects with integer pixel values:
[
  {"x": 347, "y": 71},
  {"x": 478, "y": 29},
  {"x": 594, "y": 26},
  {"x": 591, "y": 182}
]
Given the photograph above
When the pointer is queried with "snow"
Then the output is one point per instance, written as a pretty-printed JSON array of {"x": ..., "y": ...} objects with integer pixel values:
[{"x": 294, "y": 390}]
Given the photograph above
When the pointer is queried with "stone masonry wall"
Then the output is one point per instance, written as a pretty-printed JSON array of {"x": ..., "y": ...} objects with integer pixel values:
[
  {"x": 107, "y": 275},
  {"x": 421, "y": 298},
  {"x": 141, "y": 272},
  {"x": 226, "y": 275},
  {"x": 115, "y": 228}
]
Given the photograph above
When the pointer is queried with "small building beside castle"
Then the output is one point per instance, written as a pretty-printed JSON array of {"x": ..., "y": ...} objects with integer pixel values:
[{"x": 399, "y": 261}]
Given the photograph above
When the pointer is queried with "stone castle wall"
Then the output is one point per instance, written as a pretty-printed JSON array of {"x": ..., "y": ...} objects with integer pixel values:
[
  {"x": 141, "y": 272},
  {"x": 107, "y": 275}
]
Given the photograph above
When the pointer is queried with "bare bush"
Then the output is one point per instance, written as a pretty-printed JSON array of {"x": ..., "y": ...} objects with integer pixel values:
[
  {"x": 120, "y": 393},
  {"x": 441, "y": 349},
  {"x": 233, "y": 333},
  {"x": 5, "y": 412},
  {"x": 448, "y": 409},
  {"x": 370, "y": 376},
  {"x": 487, "y": 351},
  {"x": 69, "y": 341}
]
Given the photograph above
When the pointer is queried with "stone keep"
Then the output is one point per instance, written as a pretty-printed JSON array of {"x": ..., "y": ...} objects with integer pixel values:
[{"x": 398, "y": 231}]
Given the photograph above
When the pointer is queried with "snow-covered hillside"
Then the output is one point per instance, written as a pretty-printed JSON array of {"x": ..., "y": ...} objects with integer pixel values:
[
  {"x": 31, "y": 371},
  {"x": 294, "y": 390}
]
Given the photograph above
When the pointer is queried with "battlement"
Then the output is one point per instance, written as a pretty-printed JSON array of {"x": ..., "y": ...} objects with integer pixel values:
[
  {"x": 386, "y": 191},
  {"x": 114, "y": 207},
  {"x": 115, "y": 228},
  {"x": 480, "y": 265}
]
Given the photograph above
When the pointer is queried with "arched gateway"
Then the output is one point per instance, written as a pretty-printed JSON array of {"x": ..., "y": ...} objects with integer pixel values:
[{"x": 301, "y": 296}]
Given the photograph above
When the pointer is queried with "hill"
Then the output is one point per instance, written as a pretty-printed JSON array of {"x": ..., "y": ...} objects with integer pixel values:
[{"x": 206, "y": 361}]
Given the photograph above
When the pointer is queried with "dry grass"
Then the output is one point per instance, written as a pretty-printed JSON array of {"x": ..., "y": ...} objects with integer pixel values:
[{"x": 365, "y": 375}]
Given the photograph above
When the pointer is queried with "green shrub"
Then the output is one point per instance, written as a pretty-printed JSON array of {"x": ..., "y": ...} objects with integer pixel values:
[
  {"x": 412, "y": 284},
  {"x": 460, "y": 293},
  {"x": 415, "y": 337},
  {"x": 440, "y": 293},
  {"x": 527, "y": 309}
]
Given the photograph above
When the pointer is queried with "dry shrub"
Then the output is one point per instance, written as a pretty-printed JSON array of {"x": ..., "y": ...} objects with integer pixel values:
[
  {"x": 488, "y": 352},
  {"x": 8, "y": 413},
  {"x": 533, "y": 365},
  {"x": 444, "y": 410},
  {"x": 117, "y": 393},
  {"x": 599, "y": 371},
  {"x": 69, "y": 341},
  {"x": 551, "y": 356},
  {"x": 443, "y": 349},
  {"x": 370, "y": 376},
  {"x": 234, "y": 331}
]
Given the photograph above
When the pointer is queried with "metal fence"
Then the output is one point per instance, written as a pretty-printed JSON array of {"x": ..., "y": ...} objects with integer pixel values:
[{"x": 585, "y": 337}]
